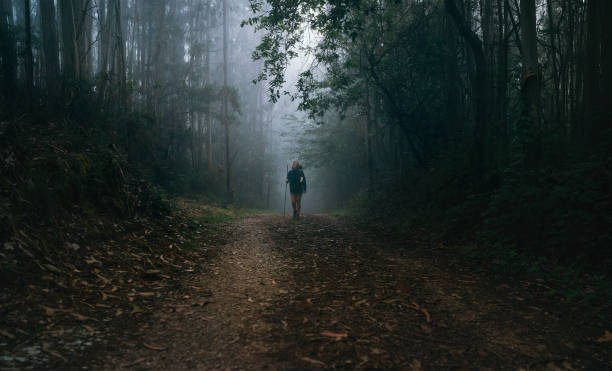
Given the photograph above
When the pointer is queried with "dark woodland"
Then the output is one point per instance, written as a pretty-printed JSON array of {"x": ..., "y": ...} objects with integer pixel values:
[{"x": 459, "y": 203}]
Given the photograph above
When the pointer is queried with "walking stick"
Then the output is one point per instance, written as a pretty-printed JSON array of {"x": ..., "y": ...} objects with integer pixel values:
[{"x": 285, "y": 203}]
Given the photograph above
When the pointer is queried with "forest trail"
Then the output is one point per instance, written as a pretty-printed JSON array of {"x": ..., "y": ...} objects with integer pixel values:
[{"x": 320, "y": 293}]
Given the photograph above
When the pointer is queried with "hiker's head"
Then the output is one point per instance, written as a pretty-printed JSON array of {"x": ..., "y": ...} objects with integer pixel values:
[{"x": 295, "y": 165}]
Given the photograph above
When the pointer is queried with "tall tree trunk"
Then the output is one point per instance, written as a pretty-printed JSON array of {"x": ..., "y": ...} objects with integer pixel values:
[
  {"x": 502, "y": 72},
  {"x": 120, "y": 54},
  {"x": 207, "y": 112},
  {"x": 7, "y": 50},
  {"x": 88, "y": 70},
  {"x": 451, "y": 81},
  {"x": 553, "y": 32},
  {"x": 228, "y": 165},
  {"x": 479, "y": 86},
  {"x": 606, "y": 73},
  {"x": 155, "y": 70},
  {"x": 70, "y": 51},
  {"x": 597, "y": 106},
  {"x": 103, "y": 49},
  {"x": 530, "y": 82},
  {"x": 29, "y": 68},
  {"x": 50, "y": 49},
  {"x": 83, "y": 22}
]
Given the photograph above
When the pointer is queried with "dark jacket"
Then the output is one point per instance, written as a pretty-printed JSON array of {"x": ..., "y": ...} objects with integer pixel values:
[{"x": 296, "y": 180}]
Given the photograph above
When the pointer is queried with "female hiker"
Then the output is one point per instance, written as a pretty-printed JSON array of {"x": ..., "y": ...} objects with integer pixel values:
[{"x": 297, "y": 186}]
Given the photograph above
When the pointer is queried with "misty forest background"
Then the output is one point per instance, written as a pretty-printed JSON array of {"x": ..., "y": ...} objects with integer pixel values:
[{"x": 487, "y": 121}]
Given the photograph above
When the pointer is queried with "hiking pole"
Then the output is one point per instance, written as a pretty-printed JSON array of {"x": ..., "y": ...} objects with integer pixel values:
[{"x": 285, "y": 203}]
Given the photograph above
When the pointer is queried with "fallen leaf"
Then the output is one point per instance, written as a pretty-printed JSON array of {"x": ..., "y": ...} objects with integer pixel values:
[
  {"x": 153, "y": 347},
  {"x": 390, "y": 301},
  {"x": 52, "y": 268},
  {"x": 313, "y": 361},
  {"x": 415, "y": 365},
  {"x": 79, "y": 317},
  {"x": 91, "y": 260},
  {"x": 335, "y": 335},
  {"x": 46, "y": 349},
  {"x": 7, "y": 334},
  {"x": 605, "y": 338},
  {"x": 426, "y": 313},
  {"x": 137, "y": 310},
  {"x": 49, "y": 311},
  {"x": 103, "y": 279},
  {"x": 90, "y": 329},
  {"x": 421, "y": 309}
]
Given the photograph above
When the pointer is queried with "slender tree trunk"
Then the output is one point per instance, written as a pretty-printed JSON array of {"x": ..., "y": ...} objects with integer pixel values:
[
  {"x": 479, "y": 87},
  {"x": 553, "y": 31},
  {"x": 451, "y": 81},
  {"x": 70, "y": 51},
  {"x": 530, "y": 81},
  {"x": 120, "y": 55},
  {"x": 103, "y": 51},
  {"x": 79, "y": 8},
  {"x": 7, "y": 50},
  {"x": 29, "y": 68},
  {"x": 208, "y": 116},
  {"x": 597, "y": 85},
  {"x": 50, "y": 49},
  {"x": 606, "y": 72},
  {"x": 228, "y": 164},
  {"x": 502, "y": 73}
]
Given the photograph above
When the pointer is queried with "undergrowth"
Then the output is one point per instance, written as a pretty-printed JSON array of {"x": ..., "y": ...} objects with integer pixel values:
[{"x": 554, "y": 222}]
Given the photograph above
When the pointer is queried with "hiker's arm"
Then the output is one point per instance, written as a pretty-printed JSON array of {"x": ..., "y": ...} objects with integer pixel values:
[{"x": 304, "y": 176}]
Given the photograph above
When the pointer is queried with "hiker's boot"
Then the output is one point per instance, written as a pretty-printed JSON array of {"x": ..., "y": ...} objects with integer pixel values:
[{"x": 294, "y": 214}]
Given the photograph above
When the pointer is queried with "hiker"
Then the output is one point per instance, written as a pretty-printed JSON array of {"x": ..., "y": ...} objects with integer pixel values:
[{"x": 297, "y": 186}]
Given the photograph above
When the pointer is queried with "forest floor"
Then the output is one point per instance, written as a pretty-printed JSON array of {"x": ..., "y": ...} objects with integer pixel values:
[{"x": 267, "y": 292}]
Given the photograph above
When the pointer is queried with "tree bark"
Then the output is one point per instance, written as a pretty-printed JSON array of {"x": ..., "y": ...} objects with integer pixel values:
[
  {"x": 479, "y": 86},
  {"x": 50, "y": 49},
  {"x": 597, "y": 101},
  {"x": 70, "y": 51},
  {"x": 530, "y": 82},
  {"x": 228, "y": 165},
  {"x": 7, "y": 50},
  {"x": 29, "y": 68},
  {"x": 120, "y": 54}
]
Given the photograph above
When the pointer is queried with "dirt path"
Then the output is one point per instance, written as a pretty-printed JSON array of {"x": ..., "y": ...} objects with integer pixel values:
[{"x": 318, "y": 293}]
